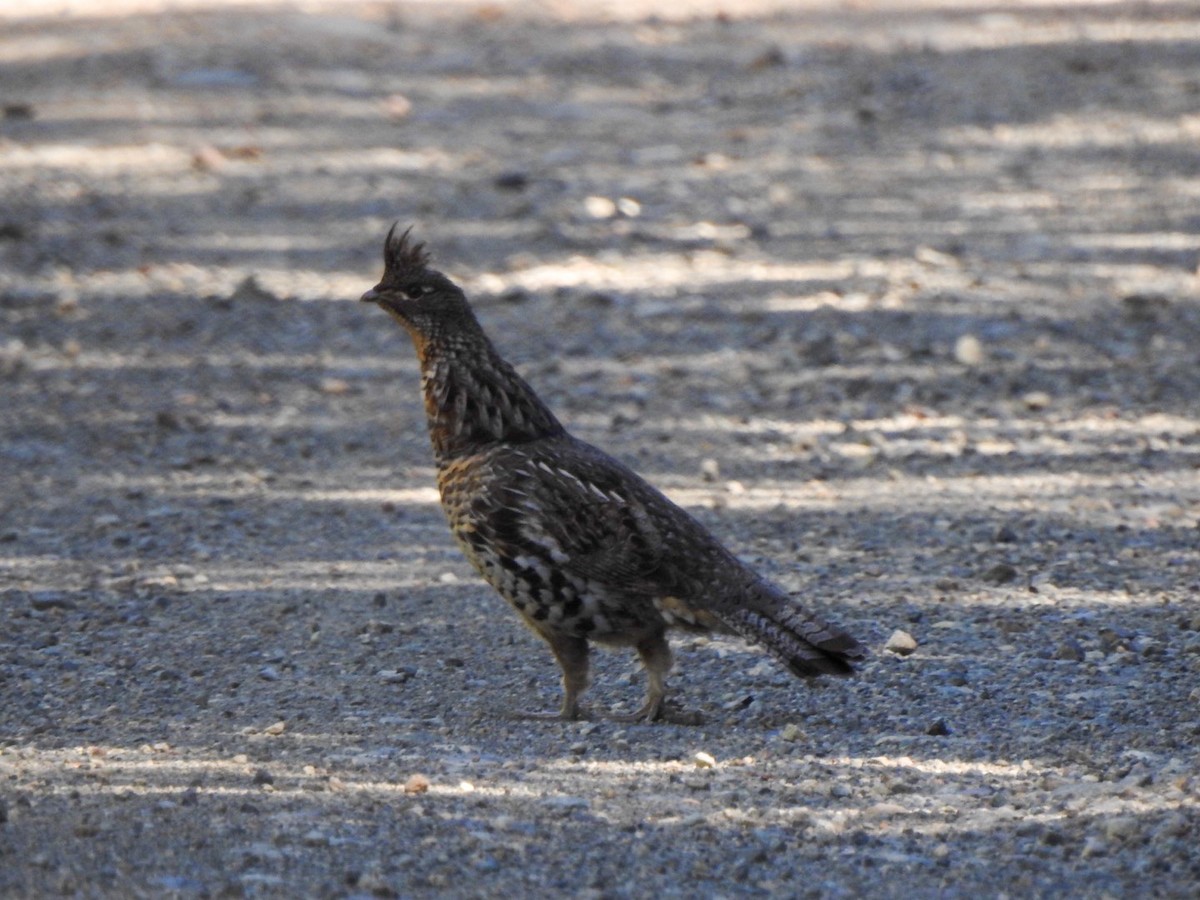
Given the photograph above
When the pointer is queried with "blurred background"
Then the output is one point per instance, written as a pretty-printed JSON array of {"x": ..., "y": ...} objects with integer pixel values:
[
  {"x": 964, "y": 231},
  {"x": 899, "y": 297}
]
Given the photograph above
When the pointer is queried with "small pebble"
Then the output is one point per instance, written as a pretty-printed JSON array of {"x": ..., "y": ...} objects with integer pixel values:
[
  {"x": 250, "y": 291},
  {"x": 1001, "y": 573},
  {"x": 44, "y": 600},
  {"x": 397, "y": 106},
  {"x": 416, "y": 784},
  {"x": 704, "y": 760},
  {"x": 884, "y": 810},
  {"x": 1004, "y": 534},
  {"x": 566, "y": 803},
  {"x": 513, "y": 180},
  {"x": 515, "y": 295},
  {"x": 207, "y": 158},
  {"x": 1069, "y": 649},
  {"x": 599, "y": 207},
  {"x": 968, "y": 350},
  {"x": 627, "y": 206},
  {"x": 901, "y": 643},
  {"x": 791, "y": 732},
  {"x": 18, "y": 112},
  {"x": 1175, "y": 825},
  {"x": 769, "y": 58},
  {"x": 1145, "y": 307},
  {"x": 1036, "y": 400},
  {"x": 335, "y": 387},
  {"x": 1120, "y": 828},
  {"x": 1151, "y": 649}
]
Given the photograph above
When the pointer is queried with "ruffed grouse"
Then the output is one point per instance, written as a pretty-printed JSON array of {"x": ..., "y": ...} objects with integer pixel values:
[{"x": 578, "y": 543}]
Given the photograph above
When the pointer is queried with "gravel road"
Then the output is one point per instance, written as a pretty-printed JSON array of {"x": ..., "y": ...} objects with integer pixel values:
[{"x": 899, "y": 298}]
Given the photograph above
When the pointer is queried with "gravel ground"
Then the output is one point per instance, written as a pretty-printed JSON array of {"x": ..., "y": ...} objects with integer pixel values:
[{"x": 900, "y": 299}]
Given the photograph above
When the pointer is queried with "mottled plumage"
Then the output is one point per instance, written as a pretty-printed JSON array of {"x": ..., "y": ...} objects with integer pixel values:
[{"x": 581, "y": 546}]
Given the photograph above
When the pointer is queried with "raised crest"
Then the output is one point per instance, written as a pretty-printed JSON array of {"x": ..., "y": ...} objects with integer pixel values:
[{"x": 402, "y": 257}]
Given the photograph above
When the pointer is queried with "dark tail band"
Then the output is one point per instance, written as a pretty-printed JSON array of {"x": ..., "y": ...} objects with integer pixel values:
[{"x": 805, "y": 644}]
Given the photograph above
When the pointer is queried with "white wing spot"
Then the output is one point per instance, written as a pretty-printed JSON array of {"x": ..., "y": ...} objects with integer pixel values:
[{"x": 673, "y": 610}]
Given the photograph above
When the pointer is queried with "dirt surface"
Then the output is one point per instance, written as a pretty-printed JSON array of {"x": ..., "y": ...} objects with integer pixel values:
[{"x": 900, "y": 299}]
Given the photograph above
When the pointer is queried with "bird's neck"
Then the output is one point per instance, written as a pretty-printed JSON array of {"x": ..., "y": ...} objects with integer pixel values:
[{"x": 474, "y": 399}]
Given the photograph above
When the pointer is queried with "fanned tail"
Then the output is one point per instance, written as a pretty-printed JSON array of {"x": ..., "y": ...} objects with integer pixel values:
[{"x": 806, "y": 644}]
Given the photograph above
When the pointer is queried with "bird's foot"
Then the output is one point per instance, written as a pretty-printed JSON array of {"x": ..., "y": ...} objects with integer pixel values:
[
  {"x": 662, "y": 711},
  {"x": 678, "y": 715},
  {"x": 579, "y": 713}
]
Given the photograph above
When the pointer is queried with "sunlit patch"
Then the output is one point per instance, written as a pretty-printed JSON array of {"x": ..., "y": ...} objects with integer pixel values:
[
  {"x": 942, "y": 796},
  {"x": 649, "y": 272},
  {"x": 1085, "y": 129},
  {"x": 1079, "y": 495},
  {"x": 86, "y": 158}
]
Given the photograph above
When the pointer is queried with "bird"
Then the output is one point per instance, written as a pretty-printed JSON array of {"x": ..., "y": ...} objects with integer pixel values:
[{"x": 583, "y": 548}]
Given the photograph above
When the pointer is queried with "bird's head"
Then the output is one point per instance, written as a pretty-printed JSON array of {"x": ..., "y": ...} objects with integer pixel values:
[{"x": 422, "y": 299}]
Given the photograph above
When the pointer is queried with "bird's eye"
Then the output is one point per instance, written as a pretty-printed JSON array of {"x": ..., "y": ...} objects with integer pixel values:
[{"x": 418, "y": 290}]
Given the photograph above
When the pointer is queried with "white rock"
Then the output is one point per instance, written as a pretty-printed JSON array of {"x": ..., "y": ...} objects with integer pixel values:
[
  {"x": 1120, "y": 827},
  {"x": 629, "y": 207},
  {"x": 968, "y": 350},
  {"x": 600, "y": 207},
  {"x": 901, "y": 643},
  {"x": 791, "y": 732}
]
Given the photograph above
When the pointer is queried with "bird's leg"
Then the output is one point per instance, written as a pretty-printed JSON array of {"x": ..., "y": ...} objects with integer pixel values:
[
  {"x": 655, "y": 654},
  {"x": 572, "y": 656},
  {"x": 656, "y": 660}
]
